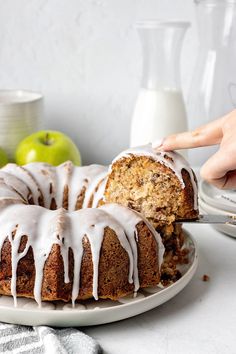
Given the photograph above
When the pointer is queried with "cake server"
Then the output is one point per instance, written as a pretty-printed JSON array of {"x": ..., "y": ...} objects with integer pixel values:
[{"x": 211, "y": 219}]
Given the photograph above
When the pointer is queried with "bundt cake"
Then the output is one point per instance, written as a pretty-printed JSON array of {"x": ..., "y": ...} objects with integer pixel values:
[
  {"x": 161, "y": 186},
  {"x": 73, "y": 252},
  {"x": 69, "y": 233}
]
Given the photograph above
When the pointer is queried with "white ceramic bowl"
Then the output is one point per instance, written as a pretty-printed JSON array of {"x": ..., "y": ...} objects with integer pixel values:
[{"x": 20, "y": 116}]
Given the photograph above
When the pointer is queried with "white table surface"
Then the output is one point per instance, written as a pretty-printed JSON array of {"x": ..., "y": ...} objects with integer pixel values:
[{"x": 199, "y": 320}]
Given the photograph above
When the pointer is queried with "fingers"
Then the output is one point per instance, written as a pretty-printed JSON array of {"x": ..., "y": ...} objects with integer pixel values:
[
  {"x": 220, "y": 169},
  {"x": 209, "y": 134}
]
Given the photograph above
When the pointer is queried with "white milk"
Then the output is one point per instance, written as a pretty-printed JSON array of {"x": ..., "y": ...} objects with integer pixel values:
[{"x": 157, "y": 114}]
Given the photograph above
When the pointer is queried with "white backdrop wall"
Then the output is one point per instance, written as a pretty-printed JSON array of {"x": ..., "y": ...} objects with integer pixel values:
[{"x": 85, "y": 57}]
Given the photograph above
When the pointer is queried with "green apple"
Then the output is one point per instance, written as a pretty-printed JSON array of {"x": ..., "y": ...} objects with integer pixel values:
[
  {"x": 47, "y": 146},
  {"x": 3, "y": 158}
]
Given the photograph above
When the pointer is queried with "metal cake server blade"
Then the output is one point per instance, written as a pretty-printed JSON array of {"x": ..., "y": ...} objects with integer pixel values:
[{"x": 211, "y": 219}]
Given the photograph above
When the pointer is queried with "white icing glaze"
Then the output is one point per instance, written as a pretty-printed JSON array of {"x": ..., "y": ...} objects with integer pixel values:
[
  {"x": 154, "y": 289},
  {"x": 22, "y": 174},
  {"x": 69, "y": 307},
  {"x": 45, "y": 176},
  {"x": 88, "y": 177},
  {"x": 176, "y": 163},
  {"x": 98, "y": 195},
  {"x": 4, "y": 202},
  {"x": 130, "y": 298},
  {"x": 92, "y": 192},
  {"x": 16, "y": 184},
  {"x": 49, "y": 182},
  {"x": 8, "y": 192},
  {"x": 30, "y": 305},
  {"x": 63, "y": 174},
  {"x": 100, "y": 304}
]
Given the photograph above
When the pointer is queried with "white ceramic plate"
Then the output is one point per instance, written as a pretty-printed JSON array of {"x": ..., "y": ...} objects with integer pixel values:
[
  {"x": 96, "y": 312},
  {"x": 208, "y": 209},
  {"x": 222, "y": 199}
]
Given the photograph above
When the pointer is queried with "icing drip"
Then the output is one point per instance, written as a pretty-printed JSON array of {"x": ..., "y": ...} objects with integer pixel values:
[
  {"x": 95, "y": 189},
  {"x": 45, "y": 176},
  {"x": 92, "y": 223},
  {"x": 8, "y": 192},
  {"x": 175, "y": 162},
  {"x": 88, "y": 177},
  {"x": 98, "y": 195},
  {"x": 16, "y": 184},
  {"x": 62, "y": 232},
  {"x": 63, "y": 174}
]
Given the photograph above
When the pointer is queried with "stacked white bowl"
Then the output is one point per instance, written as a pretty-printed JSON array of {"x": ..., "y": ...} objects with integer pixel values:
[
  {"x": 20, "y": 115},
  {"x": 218, "y": 202}
]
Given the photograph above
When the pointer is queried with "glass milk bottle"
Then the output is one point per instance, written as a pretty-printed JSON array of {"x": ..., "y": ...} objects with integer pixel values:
[
  {"x": 159, "y": 109},
  {"x": 213, "y": 88}
]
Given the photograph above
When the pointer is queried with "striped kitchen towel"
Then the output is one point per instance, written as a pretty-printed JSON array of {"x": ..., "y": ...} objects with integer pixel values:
[{"x": 16, "y": 339}]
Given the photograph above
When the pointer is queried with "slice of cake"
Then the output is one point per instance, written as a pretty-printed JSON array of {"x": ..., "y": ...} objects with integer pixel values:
[{"x": 161, "y": 186}]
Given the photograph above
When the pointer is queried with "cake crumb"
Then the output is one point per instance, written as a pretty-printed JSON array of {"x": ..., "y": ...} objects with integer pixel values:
[{"x": 205, "y": 277}]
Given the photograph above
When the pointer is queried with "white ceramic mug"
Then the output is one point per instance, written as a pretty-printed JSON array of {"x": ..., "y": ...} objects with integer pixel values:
[{"x": 20, "y": 116}]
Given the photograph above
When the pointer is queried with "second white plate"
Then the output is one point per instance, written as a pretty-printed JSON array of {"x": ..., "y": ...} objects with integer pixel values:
[
  {"x": 224, "y": 228},
  {"x": 220, "y": 199}
]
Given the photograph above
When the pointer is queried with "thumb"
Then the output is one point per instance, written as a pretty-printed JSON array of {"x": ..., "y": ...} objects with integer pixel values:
[{"x": 220, "y": 169}]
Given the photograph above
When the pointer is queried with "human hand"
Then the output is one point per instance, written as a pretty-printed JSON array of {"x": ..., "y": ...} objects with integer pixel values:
[{"x": 220, "y": 168}]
